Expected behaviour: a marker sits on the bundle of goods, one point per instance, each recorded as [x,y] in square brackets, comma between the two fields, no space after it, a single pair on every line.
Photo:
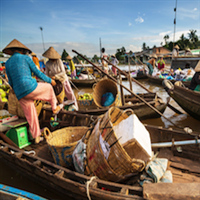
[118,146]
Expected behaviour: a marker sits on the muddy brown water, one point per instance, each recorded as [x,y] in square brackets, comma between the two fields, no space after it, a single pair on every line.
[11,177]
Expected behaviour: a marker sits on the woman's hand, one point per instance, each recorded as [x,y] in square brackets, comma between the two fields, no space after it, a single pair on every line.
[53,83]
[53,77]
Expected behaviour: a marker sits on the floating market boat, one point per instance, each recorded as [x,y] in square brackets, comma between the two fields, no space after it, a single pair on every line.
[142,110]
[187,99]
[83,82]
[157,80]
[185,170]
[11,193]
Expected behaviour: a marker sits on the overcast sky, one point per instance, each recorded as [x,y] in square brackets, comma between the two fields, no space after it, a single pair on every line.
[78,24]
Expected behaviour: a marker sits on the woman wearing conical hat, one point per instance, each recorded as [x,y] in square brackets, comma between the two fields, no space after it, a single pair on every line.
[195,82]
[55,68]
[72,66]
[188,52]
[19,68]
[115,62]
[175,52]
[151,63]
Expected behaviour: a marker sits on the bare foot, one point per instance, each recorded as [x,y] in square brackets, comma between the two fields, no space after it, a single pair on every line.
[38,139]
[58,108]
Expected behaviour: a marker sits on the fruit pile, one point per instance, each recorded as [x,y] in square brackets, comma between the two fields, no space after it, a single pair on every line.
[86,96]
[5,116]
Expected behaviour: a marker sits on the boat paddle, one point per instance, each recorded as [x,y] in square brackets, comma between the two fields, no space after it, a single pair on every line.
[157,111]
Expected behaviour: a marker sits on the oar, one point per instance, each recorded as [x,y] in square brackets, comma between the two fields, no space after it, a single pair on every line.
[126,88]
[169,105]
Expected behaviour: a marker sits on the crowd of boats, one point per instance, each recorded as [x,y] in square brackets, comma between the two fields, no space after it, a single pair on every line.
[85,154]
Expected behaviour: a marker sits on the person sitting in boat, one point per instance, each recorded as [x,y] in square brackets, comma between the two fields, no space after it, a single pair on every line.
[35,60]
[55,69]
[115,62]
[19,68]
[175,51]
[195,82]
[161,63]
[151,63]
[104,63]
[72,67]
[188,52]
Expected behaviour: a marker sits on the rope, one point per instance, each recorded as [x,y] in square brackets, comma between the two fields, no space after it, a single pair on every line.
[87,186]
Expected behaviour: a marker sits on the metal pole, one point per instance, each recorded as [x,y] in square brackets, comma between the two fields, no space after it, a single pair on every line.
[42,38]
[174,23]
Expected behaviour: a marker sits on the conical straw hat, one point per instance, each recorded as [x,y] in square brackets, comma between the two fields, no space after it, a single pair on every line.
[176,47]
[33,54]
[154,56]
[197,68]
[51,53]
[15,44]
[69,57]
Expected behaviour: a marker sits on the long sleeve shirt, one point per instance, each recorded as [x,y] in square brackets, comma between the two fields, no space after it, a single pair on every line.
[56,68]
[19,69]
[114,61]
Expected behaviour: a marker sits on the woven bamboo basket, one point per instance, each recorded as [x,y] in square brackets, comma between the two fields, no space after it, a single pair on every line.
[62,143]
[96,162]
[15,108]
[104,86]
[120,161]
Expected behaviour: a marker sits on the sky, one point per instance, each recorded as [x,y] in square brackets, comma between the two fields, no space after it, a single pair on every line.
[80,24]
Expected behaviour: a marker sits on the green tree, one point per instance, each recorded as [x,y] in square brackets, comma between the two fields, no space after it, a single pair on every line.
[64,54]
[119,53]
[1,54]
[144,46]
[95,58]
[166,37]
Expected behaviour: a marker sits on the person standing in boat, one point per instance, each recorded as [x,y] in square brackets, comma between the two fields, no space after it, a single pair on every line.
[188,52]
[35,60]
[56,69]
[161,63]
[104,63]
[115,62]
[151,63]
[195,82]
[19,68]
[72,67]
[175,51]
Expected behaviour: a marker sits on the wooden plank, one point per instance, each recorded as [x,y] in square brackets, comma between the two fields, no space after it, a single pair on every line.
[172,191]
[16,123]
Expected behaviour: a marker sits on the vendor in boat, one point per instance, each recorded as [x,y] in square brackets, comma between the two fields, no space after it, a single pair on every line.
[56,70]
[35,60]
[188,52]
[151,63]
[175,52]
[104,63]
[72,67]
[161,63]
[19,68]
[195,82]
[115,62]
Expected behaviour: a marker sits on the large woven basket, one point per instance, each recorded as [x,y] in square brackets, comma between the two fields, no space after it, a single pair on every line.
[15,108]
[104,86]
[62,143]
[119,160]
[96,162]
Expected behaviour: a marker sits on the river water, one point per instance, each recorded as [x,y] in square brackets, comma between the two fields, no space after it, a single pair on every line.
[10,177]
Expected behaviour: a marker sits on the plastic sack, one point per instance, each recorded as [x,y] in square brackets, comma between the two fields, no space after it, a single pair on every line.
[79,156]
[107,99]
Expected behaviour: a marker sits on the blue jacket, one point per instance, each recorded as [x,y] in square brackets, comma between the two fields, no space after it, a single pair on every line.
[19,69]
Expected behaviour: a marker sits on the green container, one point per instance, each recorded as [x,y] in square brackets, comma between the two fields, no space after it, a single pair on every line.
[19,136]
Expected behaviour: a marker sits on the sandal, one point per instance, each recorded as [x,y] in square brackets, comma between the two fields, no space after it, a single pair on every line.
[38,139]
[58,109]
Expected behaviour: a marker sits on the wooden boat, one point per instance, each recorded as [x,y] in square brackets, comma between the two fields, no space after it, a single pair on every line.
[137,77]
[78,186]
[157,80]
[142,110]
[83,82]
[11,193]
[187,99]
